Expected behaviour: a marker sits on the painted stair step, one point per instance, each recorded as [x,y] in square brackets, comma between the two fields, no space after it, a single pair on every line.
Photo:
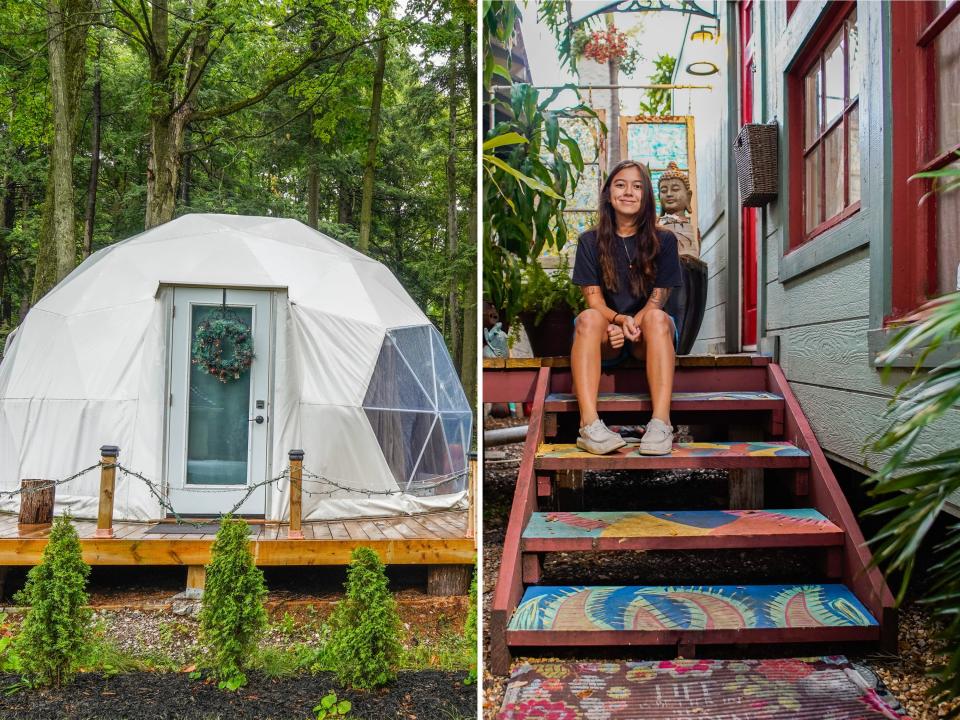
[679,530]
[715,455]
[681,401]
[654,615]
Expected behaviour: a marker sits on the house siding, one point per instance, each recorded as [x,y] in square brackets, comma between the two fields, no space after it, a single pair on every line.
[822,302]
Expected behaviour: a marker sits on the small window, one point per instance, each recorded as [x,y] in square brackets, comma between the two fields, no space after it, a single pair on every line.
[926,137]
[829,89]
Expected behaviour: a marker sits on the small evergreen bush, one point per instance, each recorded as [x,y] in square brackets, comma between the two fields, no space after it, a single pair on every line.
[55,633]
[232,617]
[365,645]
[470,631]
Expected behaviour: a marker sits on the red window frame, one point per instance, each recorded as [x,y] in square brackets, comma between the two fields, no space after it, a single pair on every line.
[915,26]
[828,27]
[791,6]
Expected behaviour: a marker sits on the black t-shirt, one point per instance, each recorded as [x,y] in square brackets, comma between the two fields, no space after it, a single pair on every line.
[586,270]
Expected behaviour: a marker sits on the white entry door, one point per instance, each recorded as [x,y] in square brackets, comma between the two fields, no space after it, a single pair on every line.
[218,431]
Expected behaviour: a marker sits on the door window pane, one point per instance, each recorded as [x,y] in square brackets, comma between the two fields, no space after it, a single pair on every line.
[218,422]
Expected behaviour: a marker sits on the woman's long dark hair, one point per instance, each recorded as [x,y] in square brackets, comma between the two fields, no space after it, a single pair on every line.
[643,271]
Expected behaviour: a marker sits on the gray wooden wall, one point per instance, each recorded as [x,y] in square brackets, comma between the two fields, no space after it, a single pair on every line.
[822,300]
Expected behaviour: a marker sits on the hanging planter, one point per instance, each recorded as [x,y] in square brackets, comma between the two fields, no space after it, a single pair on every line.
[223,346]
[602,46]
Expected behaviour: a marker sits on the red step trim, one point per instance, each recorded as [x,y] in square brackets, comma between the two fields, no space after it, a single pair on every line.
[825,494]
[600,638]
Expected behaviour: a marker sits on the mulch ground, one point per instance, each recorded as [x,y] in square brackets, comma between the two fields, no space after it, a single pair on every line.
[174,696]
[905,673]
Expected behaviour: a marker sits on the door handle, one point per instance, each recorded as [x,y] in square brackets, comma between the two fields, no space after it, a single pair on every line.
[258,420]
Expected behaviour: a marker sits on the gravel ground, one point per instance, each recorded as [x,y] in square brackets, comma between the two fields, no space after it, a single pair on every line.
[904,673]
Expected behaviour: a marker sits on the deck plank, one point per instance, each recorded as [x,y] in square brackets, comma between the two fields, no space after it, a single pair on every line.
[338,531]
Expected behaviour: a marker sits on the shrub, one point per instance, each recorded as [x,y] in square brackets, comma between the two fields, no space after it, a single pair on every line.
[470,631]
[232,617]
[365,644]
[56,629]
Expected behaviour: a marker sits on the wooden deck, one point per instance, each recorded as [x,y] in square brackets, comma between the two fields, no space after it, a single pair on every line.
[438,538]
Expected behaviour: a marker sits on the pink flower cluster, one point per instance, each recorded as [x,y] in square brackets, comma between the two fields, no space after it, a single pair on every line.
[604,45]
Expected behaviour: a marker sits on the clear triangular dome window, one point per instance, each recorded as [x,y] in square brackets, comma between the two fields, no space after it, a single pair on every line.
[393,385]
[449,392]
[456,430]
[414,344]
[402,436]
[433,475]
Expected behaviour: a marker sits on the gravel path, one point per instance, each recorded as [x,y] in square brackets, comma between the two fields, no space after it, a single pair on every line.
[904,673]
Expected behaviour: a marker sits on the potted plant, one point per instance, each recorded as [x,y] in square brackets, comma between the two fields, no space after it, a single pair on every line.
[532,164]
[550,301]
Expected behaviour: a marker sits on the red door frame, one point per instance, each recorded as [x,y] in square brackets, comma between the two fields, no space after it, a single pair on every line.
[748,218]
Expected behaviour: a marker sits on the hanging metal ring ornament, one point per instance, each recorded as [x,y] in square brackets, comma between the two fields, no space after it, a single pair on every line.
[702,68]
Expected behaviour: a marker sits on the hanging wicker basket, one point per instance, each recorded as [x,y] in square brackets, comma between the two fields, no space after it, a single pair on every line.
[757,164]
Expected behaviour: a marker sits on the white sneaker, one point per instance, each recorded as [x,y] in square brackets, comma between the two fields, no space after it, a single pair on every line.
[657,439]
[598,439]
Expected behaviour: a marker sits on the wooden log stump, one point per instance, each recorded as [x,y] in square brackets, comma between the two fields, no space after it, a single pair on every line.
[36,503]
[449,579]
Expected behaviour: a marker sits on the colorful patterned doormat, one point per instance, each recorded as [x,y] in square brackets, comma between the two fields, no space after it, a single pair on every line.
[828,688]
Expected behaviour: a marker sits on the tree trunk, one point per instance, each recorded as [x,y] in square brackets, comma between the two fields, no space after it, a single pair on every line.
[66,50]
[163,167]
[344,204]
[313,177]
[96,111]
[187,175]
[468,352]
[453,306]
[613,132]
[373,135]
[36,502]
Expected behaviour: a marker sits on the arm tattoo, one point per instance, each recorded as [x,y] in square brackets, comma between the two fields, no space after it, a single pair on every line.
[591,290]
[658,298]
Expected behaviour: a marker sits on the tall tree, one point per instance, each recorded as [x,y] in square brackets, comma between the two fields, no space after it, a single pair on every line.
[373,137]
[453,306]
[68,22]
[468,365]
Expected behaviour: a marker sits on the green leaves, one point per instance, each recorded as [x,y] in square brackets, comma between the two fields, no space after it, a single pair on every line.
[232,617]
[365,645]
[329,707]
[56,630]
[915,489]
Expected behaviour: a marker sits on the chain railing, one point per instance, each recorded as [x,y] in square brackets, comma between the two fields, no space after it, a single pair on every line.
[295,471]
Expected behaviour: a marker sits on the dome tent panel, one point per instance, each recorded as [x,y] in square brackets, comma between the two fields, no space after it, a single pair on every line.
[456,430]
[415,347]
[434,474]
[333,355]
[331,309]
[393,384]
[449,391]
[402,436]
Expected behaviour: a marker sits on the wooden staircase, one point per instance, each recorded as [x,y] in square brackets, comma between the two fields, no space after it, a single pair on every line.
[748,423]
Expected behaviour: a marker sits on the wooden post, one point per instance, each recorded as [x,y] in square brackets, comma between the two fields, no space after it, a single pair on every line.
[570,490]
[108,477]
[472,497]
[36,504]
[196,577]
[296,494]
[746,486]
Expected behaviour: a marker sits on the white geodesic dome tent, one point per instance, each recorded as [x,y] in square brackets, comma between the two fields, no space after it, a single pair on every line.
[346,367]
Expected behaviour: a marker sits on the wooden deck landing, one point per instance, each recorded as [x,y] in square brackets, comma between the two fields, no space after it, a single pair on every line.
[428,539]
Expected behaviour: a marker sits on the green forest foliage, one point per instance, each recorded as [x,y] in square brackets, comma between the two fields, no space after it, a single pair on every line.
[258,160]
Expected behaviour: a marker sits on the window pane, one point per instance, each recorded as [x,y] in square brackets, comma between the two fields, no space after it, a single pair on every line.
[833,177]
[853,55]
[947,51]
[811,102]
[811,191]
[853,152]
[833,78]
[948,239]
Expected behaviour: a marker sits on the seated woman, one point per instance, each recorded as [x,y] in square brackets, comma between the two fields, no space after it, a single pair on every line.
[625,267]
